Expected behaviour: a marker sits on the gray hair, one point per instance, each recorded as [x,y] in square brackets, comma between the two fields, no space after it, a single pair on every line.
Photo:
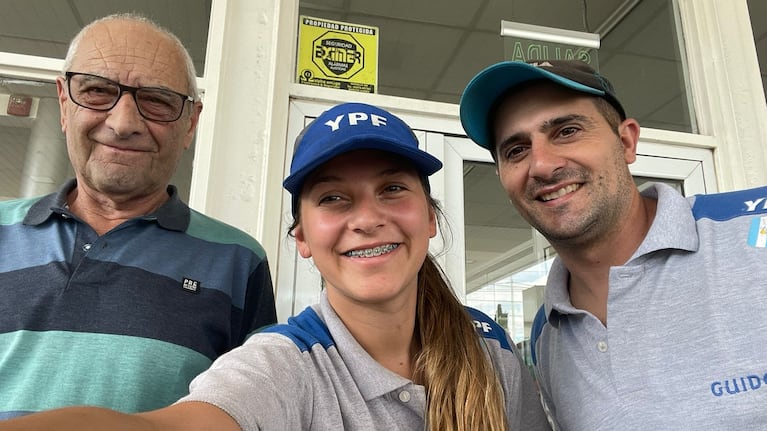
[191,74]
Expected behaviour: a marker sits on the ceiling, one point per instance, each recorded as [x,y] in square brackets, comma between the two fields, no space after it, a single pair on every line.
[427,50]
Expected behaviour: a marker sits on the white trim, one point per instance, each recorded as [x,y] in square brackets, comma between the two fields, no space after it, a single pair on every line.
[424,112]
[298,282]
[30,66]
[448,189]
[203,149]
[677,156]
[727,88]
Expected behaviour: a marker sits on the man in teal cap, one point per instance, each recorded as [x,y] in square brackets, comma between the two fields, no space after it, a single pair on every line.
[651,313]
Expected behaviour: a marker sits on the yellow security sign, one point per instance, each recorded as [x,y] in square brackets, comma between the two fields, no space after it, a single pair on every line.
[337,54]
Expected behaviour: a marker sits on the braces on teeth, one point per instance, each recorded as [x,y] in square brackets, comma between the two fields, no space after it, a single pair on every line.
[372,252]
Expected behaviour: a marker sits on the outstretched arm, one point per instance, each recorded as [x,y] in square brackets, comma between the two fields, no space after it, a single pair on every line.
[188,416]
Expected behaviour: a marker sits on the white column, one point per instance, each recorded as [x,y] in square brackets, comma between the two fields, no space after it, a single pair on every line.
[47,164]
[727,89]
[240,147]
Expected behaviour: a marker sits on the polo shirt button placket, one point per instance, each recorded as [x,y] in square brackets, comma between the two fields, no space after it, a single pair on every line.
[602,346]
[404,396]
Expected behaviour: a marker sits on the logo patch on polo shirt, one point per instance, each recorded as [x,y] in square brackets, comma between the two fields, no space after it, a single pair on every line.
[191,285]
[757,235]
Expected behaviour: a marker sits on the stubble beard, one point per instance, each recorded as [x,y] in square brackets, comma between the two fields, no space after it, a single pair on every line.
[601,218]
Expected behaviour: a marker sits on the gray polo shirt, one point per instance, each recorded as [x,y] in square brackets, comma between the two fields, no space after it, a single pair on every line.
[685,347]
[311,374]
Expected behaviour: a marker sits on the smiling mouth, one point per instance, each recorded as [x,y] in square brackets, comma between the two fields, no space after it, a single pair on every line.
[372,252]
[126,149]
[561,192]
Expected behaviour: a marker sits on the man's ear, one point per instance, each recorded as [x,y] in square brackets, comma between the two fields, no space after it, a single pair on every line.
[628,132]
[63,95]
[194,119]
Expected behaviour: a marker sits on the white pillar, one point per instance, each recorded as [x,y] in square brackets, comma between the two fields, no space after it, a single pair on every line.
[727,88]
[47,164]
[240,146]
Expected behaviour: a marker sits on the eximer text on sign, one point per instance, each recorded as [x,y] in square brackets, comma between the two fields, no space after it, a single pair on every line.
[336,54]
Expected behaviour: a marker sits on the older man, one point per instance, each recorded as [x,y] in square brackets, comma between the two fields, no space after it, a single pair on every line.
[116,293]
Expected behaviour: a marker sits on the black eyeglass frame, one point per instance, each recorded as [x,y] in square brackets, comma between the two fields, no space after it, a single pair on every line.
[129,89]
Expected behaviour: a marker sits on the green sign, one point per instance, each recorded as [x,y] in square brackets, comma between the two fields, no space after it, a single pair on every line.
[526,42]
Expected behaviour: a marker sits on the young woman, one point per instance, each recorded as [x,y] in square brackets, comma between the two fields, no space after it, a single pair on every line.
[389,346]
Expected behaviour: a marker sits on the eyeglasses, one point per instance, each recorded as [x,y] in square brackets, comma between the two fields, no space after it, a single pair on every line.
[102,94]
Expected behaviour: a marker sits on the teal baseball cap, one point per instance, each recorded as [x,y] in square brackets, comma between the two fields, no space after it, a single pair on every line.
[484,91]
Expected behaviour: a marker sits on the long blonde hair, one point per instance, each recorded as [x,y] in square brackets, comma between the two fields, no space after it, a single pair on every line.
[463,391]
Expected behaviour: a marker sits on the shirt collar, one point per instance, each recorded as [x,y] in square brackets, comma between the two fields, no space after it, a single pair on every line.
[172,215]
[674,224]
[672,228]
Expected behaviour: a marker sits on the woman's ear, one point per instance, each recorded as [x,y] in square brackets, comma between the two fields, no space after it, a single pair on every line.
[301,245]
[432,223]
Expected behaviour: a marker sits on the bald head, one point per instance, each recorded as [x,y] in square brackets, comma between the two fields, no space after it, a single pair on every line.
[128,38]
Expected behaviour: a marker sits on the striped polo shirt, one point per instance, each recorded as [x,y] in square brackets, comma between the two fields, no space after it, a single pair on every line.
[124,320]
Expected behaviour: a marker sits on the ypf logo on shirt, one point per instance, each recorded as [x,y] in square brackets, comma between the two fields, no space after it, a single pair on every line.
[757,235]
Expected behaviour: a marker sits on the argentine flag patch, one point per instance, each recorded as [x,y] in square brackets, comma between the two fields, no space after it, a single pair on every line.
[757,235]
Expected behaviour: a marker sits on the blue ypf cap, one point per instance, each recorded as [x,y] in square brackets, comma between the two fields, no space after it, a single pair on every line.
[348,127]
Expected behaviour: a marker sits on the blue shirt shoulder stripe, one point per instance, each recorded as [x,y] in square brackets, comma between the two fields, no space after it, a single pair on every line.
[729,205]
[305,330]
[489,328]
[538,323]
